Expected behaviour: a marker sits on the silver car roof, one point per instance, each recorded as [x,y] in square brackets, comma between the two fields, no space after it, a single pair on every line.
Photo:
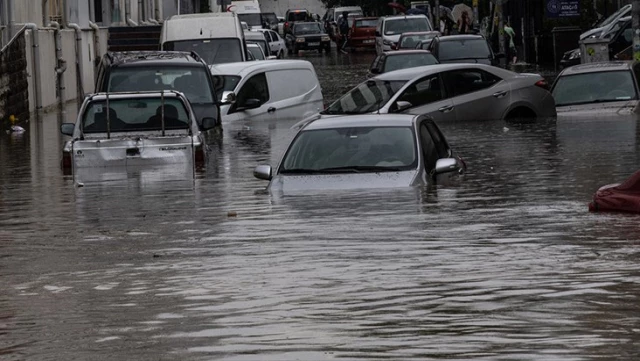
[363,120]
[597,67]
[411,73]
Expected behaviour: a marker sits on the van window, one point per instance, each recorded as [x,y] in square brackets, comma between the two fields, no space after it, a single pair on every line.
[192,81]
[251,19]
[213,51]
[223,83]
[286,84]
[255,88]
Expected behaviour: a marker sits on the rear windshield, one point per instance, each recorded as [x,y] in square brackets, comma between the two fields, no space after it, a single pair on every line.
[405,61]
[366,97]
[251,19]
[297,16]
[192,81]
[269,18]
[597,87]
[213,51]
[135,114]
[411,41]
[256,52]
[464,49]
[366,23]
[261,43]
[406,25]
[223,83]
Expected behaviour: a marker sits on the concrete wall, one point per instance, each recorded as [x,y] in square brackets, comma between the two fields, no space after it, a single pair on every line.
[280,7]
[14,96]
[27,11]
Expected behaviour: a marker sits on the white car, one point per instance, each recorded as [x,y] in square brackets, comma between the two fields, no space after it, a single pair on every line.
[256,52]
[267,90]
[390,28]
[277,46]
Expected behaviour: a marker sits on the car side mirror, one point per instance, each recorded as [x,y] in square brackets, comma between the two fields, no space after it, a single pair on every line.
[67,129]
[402,105]
[208,123]
[446,165]
[250,104]
[262,172]
[228,97]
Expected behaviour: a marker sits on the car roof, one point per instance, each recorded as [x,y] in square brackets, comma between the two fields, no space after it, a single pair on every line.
[254,35]
[134,94]
[597,67]
[406,51]
[460,37]
[413,33]
[396,17]
[144,58]
[245,67]
[411,73]
[362,120]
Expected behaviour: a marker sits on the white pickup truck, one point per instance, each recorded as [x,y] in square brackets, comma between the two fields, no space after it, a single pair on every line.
[134,129]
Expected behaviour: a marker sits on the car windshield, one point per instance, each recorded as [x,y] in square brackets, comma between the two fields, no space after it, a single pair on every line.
[269,18]
[366,97]
[224,83]
[464,49]
[256,52]
[404,61]
[251,19]
[135,114]
[192,81]
[405,25]
[309,28]
[366,23]
[213,51]
[356,149]
[261,43]
[600,87]
[410,41]
[297,16]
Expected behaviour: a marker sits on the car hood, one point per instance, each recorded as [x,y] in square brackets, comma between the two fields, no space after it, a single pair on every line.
[299,183]
[612,109]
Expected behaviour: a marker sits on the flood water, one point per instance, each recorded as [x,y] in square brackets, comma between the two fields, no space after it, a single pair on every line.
[506,264]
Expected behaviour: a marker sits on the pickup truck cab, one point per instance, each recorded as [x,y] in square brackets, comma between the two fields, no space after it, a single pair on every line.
[134,129]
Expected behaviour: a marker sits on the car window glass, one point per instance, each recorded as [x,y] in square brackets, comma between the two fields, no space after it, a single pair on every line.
[255,52]
[404,61]
[594,87]
[213,51]
[366,97]
[405,25]
[287,84]
[307,28]
[424,91]
[470,80]
[255,88]
[223,83]
[429,151]
[464,49]
[438,140]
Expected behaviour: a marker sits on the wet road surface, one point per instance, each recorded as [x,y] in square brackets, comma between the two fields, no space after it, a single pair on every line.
[151,265]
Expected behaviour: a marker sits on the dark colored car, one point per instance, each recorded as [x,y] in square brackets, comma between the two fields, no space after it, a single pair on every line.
[307,36]
[396,60]
[623,197]
[161,70]
[424,44]
[293,16]
[463,49]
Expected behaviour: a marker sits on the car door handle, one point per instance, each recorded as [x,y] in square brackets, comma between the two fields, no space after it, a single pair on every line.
[446,109]
[500,94]
[271,110]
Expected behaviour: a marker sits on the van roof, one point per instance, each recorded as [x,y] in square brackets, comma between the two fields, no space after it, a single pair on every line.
[145,58]
[247,67]
[201,26]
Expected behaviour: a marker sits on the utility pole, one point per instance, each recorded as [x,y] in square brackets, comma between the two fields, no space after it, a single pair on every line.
[635,23]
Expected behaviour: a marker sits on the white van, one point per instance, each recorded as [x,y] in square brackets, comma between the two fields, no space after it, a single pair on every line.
[247,11]
[216,37]
[390,28]
[283,90]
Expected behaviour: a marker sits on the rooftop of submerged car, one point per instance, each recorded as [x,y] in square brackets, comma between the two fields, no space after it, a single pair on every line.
[362,120]
[598,67]
[411,73]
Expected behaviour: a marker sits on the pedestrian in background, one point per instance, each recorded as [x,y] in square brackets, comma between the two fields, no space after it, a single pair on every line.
[512,53]
[343,25]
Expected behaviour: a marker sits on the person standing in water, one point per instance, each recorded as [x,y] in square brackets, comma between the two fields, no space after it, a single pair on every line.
[512,52]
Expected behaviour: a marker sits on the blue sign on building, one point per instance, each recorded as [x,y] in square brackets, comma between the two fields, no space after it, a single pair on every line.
[563,8]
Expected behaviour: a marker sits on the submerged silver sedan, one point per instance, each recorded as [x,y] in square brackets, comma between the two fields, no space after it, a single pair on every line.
[449,92]
[364,151]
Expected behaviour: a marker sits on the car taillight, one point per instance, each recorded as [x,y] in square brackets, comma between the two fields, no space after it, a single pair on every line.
[542,84]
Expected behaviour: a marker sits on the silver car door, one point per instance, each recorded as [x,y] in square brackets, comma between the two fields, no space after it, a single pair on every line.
[426,96]
[477,94]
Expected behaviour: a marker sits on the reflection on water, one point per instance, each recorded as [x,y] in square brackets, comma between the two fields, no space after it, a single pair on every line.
[507,264]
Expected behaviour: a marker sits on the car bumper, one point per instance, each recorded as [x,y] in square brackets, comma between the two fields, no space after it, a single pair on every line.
[362,42]
[313,46]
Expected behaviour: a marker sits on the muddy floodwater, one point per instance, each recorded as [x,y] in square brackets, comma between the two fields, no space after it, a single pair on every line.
[159,264]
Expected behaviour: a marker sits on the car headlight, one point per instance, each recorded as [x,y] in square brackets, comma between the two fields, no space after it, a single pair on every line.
[299,40]
[326,38]
[574,55]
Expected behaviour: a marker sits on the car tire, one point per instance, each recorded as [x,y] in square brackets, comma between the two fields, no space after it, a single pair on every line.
[521,114]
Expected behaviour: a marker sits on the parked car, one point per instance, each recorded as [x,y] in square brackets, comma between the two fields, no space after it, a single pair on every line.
[307,36]
[134,129]
[463,49]
[363,33]
[161,70]
[216,37]
[277,45]
[257,37]
[390,28]
[619,197]
[396,60]
[256,52]
[597,88]
[293,16]
[449,92]
[410,40]
[267,90]
[364,151]
[330,18]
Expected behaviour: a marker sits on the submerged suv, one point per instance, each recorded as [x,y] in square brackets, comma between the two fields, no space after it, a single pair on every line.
[161,70]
